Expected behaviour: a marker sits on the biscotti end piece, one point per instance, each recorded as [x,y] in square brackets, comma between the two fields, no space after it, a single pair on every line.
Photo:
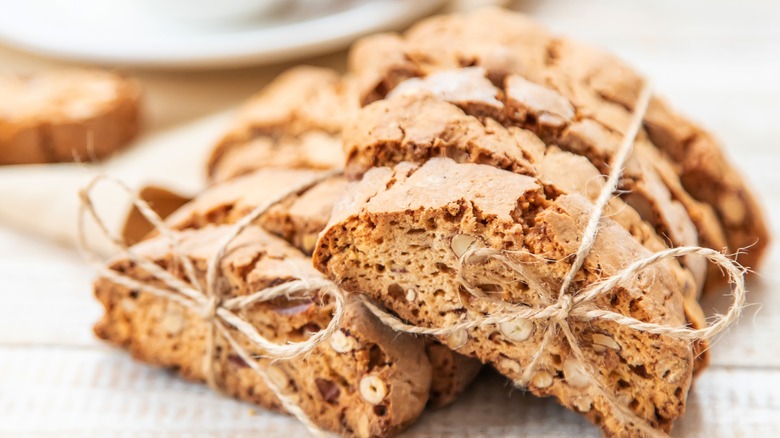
[367,380]
[405,228]
[294,122]
[66,115]
[310,150]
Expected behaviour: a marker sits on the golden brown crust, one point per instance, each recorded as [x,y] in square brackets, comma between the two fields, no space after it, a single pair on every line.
[66,115]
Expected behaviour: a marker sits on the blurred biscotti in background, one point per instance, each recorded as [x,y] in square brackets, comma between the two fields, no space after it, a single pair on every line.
[66,115]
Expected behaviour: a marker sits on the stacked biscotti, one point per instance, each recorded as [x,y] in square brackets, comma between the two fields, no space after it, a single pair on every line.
[468,135]
[366,380]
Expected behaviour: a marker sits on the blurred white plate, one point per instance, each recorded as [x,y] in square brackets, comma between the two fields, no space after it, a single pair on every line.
[129,32]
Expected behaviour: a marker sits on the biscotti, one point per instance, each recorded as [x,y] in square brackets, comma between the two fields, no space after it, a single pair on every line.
[366,380]
[69,115]
[295,122]
[598,92]
[399,235]
[299,218]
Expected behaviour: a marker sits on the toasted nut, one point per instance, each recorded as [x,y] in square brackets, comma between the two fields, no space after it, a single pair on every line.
[309,241]
[517,330]
[457,339]
[672,369]
[341,343]
[511,365]
[461,243]
[328,390]
[172,322]
[602,342]
[583,404]
[372,389]
[128,305]
[364,427]
[411,295]
[542,379]
[575,373]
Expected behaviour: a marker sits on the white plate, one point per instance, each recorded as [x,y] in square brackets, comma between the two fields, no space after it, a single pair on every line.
[128,32]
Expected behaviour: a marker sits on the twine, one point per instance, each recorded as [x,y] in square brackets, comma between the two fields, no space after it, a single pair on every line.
[555,314]
[572,305]
[208,302]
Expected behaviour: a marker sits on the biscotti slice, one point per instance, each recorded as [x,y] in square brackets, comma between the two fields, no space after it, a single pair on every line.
[294,122]
[298,219]
[366,380]
[398,237]
[600,87]
[65,116]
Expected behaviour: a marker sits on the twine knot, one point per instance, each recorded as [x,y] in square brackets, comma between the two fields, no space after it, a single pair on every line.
[209,310]
[564,305]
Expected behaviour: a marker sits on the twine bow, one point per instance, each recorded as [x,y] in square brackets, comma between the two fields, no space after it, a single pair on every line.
[569,306]
[208,300]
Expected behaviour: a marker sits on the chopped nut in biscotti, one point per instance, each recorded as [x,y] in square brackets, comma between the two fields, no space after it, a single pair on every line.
[398,214]
[66,115]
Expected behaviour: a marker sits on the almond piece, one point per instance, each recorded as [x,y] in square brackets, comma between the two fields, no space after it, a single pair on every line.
[575,373]
[517,330]
[373,389]
[461,243]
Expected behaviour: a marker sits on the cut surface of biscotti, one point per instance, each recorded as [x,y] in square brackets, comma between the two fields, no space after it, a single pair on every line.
[398,236]
[366,380]
[65,116]
[298,219]
[294,122]
[597,87]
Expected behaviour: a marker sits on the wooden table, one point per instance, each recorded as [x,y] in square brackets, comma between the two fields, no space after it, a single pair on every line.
[715,60]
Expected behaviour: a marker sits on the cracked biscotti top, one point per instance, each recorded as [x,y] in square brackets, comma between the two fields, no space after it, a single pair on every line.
[578,97]
[65,115]
[398,236]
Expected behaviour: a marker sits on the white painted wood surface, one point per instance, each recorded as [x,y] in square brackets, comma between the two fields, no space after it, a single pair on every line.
[718,61]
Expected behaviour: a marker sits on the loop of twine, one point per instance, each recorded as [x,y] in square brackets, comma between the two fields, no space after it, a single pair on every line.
[209,303]
[555,315]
